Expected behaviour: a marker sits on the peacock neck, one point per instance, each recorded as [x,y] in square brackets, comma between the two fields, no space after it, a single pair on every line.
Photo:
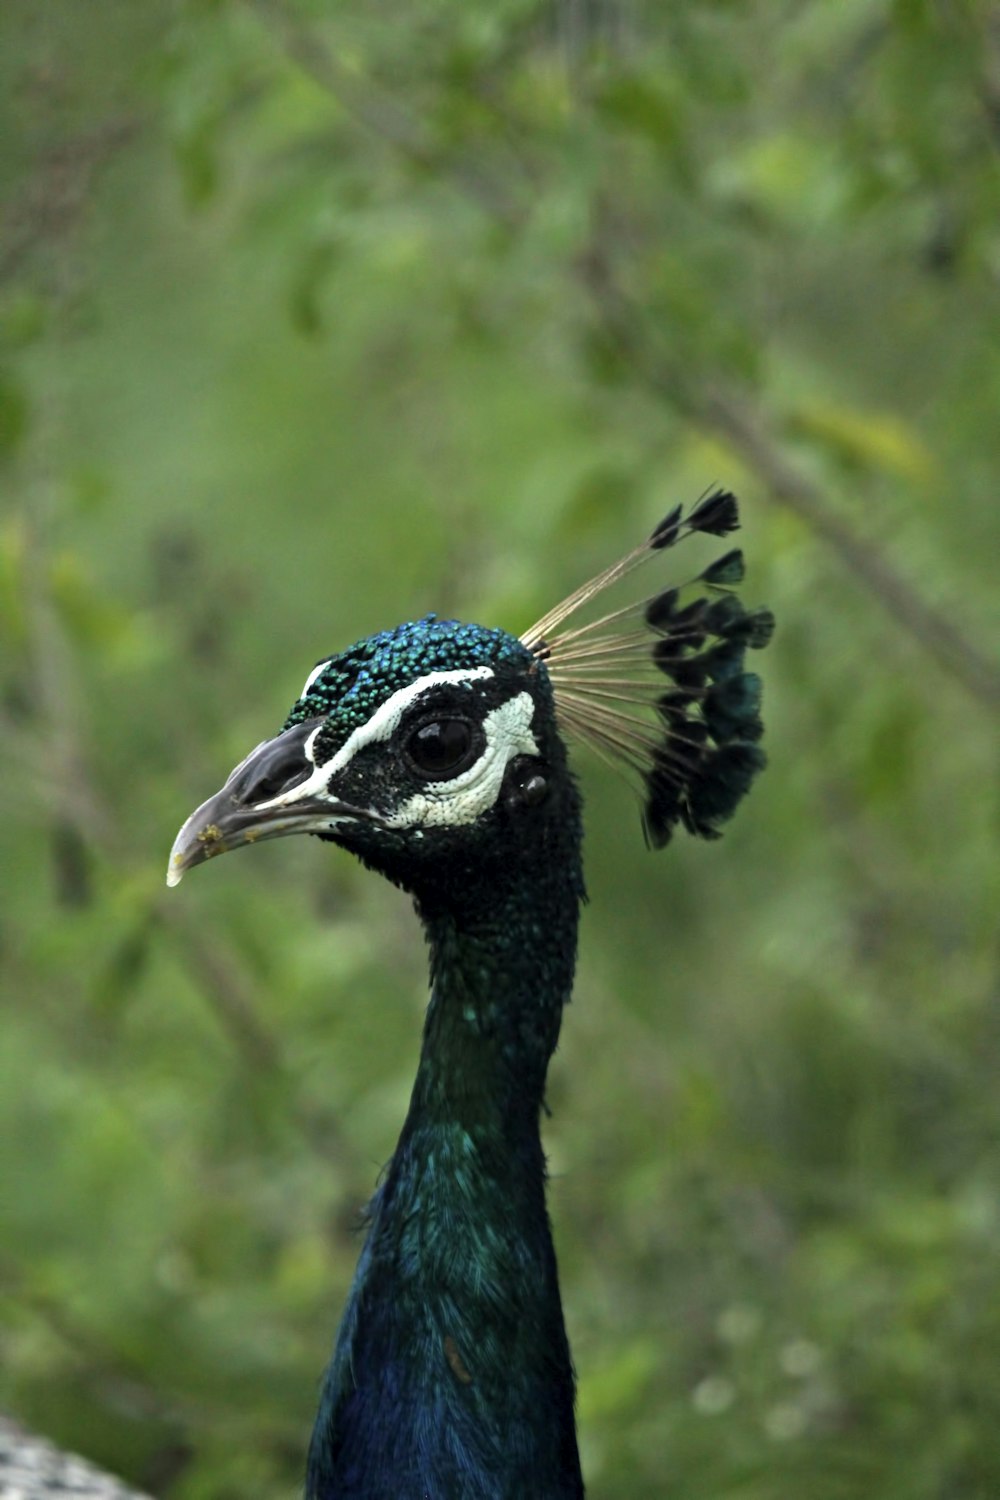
[452,1376]
[501,973]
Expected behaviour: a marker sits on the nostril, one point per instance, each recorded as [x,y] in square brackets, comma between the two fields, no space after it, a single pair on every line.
[279,769]
[267,787]
[274,767]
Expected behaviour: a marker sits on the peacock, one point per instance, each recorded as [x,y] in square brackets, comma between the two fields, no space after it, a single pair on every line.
[435,753]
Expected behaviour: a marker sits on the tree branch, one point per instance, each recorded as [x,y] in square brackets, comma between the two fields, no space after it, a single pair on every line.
[733,416]
[725,411]
[51,205]
[746,430]
[382,117]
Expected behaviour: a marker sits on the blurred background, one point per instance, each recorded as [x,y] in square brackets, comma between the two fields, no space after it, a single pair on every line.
[314,317]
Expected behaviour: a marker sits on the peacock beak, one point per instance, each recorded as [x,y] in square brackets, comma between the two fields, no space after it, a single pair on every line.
[265,797]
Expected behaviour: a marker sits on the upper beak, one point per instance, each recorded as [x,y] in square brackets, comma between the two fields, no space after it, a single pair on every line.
[258,802]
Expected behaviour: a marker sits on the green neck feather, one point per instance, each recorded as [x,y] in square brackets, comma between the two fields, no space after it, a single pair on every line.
[452,1374]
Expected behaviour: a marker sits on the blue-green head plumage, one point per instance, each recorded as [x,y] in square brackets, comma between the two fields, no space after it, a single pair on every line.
[351,685]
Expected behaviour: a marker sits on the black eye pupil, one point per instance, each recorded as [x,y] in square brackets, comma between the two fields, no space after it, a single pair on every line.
[441,746]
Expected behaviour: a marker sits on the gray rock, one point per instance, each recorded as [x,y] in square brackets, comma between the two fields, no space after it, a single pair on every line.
[31,1468]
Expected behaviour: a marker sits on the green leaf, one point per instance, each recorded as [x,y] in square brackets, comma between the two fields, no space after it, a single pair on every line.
[14,414]
[306,290]
[640,105]
[22,321]
[868,440]
[197,160]
[616,1388]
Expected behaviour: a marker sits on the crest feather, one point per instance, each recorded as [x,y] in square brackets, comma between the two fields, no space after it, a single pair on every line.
[693,748]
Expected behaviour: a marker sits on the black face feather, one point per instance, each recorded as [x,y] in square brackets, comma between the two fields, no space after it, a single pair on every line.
[762,628]
[719,785]
[697,757]
[723,616]
[663,612]
[686,671]
[662,609]
[718,514]
[726,570]
[732,708]
[669,529]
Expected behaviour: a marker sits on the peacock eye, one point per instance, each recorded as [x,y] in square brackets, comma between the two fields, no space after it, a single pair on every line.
[442,748]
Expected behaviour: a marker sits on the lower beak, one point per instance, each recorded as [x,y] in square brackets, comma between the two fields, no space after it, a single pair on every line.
[246,811]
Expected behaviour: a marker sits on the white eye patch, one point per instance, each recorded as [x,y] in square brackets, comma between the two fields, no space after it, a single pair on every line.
[507,730]
[381,726]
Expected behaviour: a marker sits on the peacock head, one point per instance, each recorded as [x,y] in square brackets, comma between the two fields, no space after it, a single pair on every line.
[437,746]
[415,748]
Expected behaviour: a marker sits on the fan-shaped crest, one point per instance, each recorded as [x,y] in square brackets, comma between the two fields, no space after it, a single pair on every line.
[694,740]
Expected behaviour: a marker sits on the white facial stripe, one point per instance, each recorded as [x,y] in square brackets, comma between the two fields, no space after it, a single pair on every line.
[384,720]
[379,727]
[465,798]
[317,671]
[309,748]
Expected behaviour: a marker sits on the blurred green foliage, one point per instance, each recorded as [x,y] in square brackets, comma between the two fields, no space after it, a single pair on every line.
[314,317]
